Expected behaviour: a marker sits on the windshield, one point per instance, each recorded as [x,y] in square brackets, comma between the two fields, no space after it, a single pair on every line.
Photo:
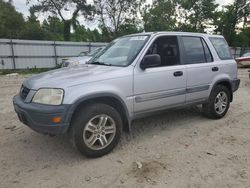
[94,52]
[121,52]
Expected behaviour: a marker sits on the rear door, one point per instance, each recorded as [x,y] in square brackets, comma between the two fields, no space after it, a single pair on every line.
[201,68]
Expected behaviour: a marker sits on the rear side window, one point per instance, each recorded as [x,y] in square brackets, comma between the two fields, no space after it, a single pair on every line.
[221,48]
[207,52]
[196,50]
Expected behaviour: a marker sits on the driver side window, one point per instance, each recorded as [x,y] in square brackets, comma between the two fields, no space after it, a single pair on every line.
[168,49]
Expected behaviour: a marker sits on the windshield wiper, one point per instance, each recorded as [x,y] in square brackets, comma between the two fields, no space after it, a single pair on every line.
[99,63]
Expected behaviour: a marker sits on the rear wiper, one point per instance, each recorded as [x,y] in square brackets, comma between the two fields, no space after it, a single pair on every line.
[99,63]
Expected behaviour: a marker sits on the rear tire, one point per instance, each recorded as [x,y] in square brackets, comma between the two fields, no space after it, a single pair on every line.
[96,130]
[218,103]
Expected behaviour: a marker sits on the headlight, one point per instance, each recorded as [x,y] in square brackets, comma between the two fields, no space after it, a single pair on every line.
[49,96]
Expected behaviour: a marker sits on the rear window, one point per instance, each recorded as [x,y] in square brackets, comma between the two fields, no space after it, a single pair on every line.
[221,48]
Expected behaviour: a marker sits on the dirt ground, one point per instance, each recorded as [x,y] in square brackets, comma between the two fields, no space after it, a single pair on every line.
[179,148]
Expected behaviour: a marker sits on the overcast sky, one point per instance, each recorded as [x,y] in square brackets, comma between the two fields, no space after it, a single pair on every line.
[22,7]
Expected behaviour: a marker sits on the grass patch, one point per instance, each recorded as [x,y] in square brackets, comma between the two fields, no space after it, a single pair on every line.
[25,71]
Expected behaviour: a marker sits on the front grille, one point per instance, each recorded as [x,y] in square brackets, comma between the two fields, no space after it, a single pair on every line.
[24,92]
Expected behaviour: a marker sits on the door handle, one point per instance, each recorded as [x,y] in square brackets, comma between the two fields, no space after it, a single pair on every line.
[214,69]
[178,73]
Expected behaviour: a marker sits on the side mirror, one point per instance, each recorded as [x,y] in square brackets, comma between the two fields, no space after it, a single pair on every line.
[150,61]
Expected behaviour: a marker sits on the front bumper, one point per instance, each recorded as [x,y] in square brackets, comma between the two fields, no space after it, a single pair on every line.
[39,117]
[235,84]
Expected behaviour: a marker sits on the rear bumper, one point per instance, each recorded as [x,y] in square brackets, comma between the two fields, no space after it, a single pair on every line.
[39,117]
[235,84]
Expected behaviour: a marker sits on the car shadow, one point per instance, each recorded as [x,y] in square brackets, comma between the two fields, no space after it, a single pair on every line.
[168,119]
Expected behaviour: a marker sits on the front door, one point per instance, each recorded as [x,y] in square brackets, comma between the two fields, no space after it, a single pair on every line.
[163,86]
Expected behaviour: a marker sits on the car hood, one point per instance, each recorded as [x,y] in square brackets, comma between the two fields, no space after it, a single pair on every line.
[84,60]
[72,59]
[66,77]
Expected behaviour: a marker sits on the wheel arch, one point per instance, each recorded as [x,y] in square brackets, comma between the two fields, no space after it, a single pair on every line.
[106,98]
[227,83]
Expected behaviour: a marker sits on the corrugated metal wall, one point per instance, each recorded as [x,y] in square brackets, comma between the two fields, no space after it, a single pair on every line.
[22,54]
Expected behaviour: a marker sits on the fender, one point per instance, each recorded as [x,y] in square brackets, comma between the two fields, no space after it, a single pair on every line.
[100,95]
[223,80]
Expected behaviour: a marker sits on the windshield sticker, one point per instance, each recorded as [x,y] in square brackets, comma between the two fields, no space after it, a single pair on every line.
[139,38]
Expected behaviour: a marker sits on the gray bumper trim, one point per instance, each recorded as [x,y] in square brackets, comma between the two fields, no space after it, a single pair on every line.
[39,117]
[235,84]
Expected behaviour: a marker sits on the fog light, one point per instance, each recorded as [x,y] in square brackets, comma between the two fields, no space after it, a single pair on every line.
[56,119]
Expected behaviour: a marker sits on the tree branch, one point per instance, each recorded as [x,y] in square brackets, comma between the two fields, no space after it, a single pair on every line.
[58,10]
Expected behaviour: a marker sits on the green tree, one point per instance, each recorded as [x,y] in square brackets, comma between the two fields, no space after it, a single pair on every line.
[32,29]
[161,16]
[90,36]
[129,27]
[243,38]
[80,34]
[53,28]
[106,35]
[112,14]
[86,35]
[197,15]
[11,22]
[59,7]
[230,17]
[95,36]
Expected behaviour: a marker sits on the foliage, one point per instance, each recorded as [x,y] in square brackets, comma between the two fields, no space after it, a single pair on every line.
[11,22]
[196,16]
[161,16]
[230,17]
[59,7]
[129,27]
[53,28]
[118,17]
[115,15]
[243,38]
[32,29]
[82,34]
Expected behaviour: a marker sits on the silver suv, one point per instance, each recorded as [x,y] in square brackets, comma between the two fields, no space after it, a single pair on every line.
[133,77]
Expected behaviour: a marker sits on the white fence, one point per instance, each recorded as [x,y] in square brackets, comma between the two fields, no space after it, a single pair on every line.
[22,54]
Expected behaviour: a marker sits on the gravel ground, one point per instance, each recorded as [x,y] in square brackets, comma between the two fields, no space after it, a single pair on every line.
[179,148]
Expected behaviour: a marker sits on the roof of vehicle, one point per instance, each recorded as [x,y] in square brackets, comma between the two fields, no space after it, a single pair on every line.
[175,33]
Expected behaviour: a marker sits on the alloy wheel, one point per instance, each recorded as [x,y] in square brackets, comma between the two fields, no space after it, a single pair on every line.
[99,132]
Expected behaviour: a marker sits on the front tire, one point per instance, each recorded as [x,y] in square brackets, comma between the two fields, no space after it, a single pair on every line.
[96,130]
[218,103]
